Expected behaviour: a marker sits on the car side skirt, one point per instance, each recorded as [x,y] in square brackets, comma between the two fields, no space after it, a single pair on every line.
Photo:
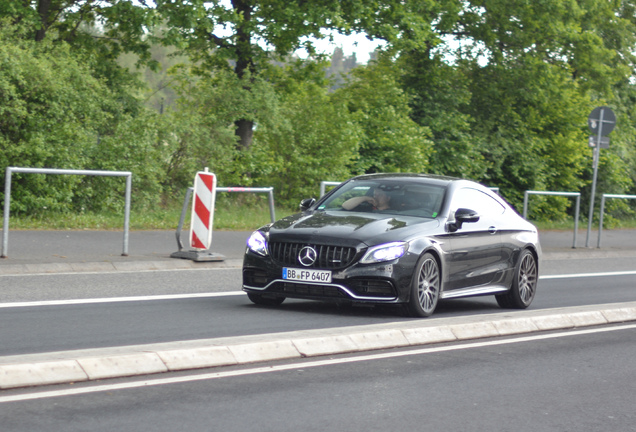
[472,292]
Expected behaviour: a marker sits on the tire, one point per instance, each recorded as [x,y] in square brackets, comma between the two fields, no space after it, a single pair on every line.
[262,300]
[425,287]
[524,284]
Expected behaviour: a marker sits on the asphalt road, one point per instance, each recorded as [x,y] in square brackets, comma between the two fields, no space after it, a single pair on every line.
[43,327]
[43,275]
[92,291]
[66,291]
[570,381]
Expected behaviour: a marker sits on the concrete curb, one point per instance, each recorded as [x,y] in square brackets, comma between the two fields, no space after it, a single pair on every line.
[89,365]
[586,253]
[115,266]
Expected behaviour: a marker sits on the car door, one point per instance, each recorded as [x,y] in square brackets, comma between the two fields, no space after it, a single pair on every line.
[476,256]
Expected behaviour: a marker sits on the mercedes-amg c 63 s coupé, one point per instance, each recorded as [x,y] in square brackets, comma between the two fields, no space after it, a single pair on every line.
[404,239]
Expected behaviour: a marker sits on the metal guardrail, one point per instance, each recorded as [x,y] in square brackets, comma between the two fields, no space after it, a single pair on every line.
[186,204]
[567,194]
[7,197]
[268,190]
[600,221]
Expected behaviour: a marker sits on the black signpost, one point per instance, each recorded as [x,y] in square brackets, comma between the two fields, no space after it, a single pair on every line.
[601,122]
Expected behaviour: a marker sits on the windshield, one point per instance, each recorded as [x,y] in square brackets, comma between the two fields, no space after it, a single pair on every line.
[399,197]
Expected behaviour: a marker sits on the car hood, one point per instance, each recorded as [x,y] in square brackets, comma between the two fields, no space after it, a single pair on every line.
[349,228]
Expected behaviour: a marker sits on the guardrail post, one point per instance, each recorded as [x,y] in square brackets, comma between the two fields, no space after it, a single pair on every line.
[127,214]
[569,194]
[272,211]
[184,211]
[576,218]
[7,206]
[600,220]
[7,196]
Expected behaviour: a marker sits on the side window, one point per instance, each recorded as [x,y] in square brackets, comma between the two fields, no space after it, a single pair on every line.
[476,200]
[420,200]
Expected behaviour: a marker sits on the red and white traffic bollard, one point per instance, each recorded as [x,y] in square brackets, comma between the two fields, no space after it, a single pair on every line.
[201,219]
[202,210]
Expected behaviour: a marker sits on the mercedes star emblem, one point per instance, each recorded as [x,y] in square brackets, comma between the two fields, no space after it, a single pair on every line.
[307,256]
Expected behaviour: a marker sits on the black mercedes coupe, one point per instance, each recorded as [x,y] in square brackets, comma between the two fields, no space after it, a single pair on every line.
[404,239]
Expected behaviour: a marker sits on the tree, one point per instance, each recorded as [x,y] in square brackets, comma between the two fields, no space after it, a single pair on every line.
[55,114]
[202,135]
[246,35]
[506,87]
[440,98]
[97,32]
[540,67]
[392,141]
[315,138]
[109,27]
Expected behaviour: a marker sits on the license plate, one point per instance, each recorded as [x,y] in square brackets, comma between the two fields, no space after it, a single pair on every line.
[306,275]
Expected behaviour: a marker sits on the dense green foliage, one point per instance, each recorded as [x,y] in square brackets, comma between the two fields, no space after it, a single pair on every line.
[494,90]
[246,35]
[56,113]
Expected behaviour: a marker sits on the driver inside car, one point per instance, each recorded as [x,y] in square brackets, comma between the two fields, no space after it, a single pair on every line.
[379,201]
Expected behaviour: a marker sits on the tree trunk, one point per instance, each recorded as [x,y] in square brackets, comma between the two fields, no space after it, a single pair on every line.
[244,63]
[245,132]
[44,8]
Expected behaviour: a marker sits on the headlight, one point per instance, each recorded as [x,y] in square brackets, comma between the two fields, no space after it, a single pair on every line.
[257,243]
[385,252]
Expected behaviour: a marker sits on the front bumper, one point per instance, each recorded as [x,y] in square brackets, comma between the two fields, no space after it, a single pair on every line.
[380,283]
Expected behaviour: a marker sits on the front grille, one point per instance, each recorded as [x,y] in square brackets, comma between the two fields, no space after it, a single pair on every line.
[329,257]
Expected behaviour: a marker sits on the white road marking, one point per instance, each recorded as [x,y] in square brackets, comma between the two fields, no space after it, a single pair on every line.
[75,273]
[298,365]
[120,299]
[587,275]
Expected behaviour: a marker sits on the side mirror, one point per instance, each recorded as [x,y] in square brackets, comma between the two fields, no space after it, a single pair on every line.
[307,203]
[462,216]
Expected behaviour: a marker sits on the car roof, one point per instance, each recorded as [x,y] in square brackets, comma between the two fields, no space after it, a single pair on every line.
[452,183]
[428,178]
